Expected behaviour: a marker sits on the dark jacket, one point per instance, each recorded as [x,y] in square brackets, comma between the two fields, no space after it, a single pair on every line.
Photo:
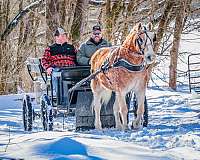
[58,55]
[87,49]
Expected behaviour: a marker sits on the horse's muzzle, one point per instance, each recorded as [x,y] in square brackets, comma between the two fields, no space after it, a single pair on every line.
[149,58]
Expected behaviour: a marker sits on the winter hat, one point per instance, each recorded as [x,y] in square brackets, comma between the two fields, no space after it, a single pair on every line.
[96,27]
[59,31]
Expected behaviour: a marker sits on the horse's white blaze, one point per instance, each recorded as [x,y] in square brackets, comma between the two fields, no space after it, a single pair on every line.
[148,51]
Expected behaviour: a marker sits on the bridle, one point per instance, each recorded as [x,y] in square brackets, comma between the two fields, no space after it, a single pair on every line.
[139,41]
[119,62]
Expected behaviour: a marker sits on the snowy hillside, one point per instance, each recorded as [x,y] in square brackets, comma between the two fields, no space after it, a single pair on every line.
[173,133]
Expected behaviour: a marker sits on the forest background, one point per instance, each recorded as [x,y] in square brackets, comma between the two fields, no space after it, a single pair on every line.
[27,26]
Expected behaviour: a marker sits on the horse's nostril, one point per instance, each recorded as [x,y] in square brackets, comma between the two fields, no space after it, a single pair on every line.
[149,57]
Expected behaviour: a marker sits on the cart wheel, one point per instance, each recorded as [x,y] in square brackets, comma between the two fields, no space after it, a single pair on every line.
[27,113]
[46,113]
[145,123]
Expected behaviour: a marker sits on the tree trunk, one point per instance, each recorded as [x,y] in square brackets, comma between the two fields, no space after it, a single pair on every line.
[108,22]
[161,30]
[4,18]
[112,12]
[1,44]
[63,8]
[132,6]
[70,11]
[78,21]
[18,54]
[180,15]
[162,24]
[52,19]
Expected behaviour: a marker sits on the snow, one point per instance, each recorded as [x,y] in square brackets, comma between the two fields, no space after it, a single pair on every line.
[173,133]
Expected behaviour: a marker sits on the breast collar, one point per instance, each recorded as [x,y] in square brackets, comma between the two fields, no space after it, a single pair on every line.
[129,66]
[121,63]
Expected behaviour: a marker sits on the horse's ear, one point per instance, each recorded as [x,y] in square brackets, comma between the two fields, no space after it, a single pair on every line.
[150,26]
[139,27]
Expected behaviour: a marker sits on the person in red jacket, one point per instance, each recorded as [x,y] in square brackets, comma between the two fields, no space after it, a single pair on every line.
[58,55]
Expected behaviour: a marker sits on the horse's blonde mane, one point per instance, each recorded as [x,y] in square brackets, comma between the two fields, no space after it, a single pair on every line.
[128,43]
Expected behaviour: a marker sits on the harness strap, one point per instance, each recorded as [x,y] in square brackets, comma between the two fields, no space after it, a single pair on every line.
[125,64]
[120,62]
[105,66]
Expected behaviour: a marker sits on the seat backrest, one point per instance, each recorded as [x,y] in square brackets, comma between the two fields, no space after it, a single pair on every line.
[75,73]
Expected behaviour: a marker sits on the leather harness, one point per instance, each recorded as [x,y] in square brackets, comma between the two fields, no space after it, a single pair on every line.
[120,62]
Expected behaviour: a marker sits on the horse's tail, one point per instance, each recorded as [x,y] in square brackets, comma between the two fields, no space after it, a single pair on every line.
[105,96]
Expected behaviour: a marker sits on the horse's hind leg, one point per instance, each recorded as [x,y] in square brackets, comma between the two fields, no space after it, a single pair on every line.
[137,123]
[96,89]
[123,110]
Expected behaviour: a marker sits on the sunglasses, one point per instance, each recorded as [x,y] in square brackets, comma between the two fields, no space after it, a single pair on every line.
[96,33]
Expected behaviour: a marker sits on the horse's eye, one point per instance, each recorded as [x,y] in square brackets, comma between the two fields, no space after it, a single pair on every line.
[154,38]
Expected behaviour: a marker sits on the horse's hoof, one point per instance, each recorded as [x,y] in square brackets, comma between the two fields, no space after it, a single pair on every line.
[98,127]
[125,128]
[145,124]
[136,125]
[119,127]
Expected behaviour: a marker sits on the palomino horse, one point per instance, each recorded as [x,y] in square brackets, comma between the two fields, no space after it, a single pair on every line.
[136,50]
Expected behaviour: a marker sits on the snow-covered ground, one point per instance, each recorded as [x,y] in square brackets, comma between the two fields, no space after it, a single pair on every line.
[173,133]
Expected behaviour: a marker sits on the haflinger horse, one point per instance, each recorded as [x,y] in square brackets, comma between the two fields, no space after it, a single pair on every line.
[136,50]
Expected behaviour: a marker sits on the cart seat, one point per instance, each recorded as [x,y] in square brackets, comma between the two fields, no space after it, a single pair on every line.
[75,73]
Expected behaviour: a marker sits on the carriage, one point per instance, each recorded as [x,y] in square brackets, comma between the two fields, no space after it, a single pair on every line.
[76,103]
[118,78]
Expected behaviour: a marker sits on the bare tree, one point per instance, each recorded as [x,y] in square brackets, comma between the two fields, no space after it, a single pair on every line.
[52,18]
[179,24]
[111,12]
[4,18]
[29,31]
[78,20]
[163,24]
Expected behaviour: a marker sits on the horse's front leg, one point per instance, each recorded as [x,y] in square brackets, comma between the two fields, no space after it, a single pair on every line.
[138,122]
[96,104]
[118,123]
[123,110]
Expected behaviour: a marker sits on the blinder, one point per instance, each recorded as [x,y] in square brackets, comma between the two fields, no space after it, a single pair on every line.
[140,41]
[154,38]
